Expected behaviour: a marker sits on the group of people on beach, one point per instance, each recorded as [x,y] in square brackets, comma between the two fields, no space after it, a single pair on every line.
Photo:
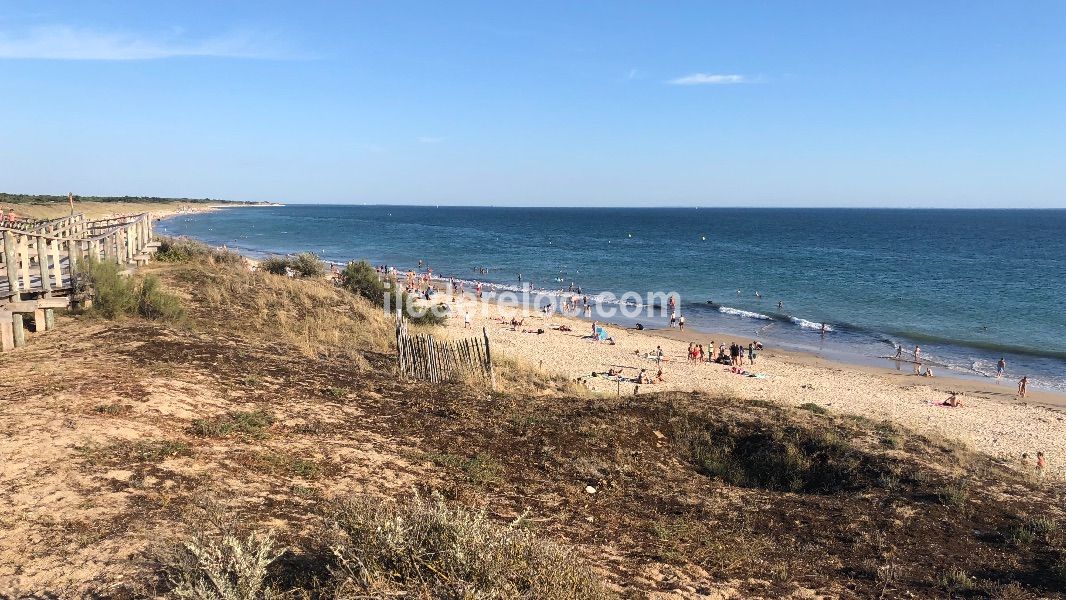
[733,355]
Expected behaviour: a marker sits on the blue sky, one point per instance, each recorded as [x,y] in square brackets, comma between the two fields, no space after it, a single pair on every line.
[897,104]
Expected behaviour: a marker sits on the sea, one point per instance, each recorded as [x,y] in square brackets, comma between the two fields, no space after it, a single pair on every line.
[968,286]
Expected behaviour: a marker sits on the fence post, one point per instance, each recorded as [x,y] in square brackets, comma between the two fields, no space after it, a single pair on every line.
[488,358]
[11,261]
[18,330]
[7,334]
[42,263]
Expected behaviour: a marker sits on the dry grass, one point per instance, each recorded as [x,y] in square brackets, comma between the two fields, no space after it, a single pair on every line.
[423,548]
[313,316]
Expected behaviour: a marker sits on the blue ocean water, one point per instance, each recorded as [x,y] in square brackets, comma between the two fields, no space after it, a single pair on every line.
[969,286]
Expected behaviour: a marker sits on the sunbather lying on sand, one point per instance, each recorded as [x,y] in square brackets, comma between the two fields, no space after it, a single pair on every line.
[952,401]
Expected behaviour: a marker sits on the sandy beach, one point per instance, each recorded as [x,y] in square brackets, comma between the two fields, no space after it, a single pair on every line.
[103,210]
[992,420]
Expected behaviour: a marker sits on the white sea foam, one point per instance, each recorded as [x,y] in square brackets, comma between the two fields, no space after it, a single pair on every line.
[744,313]
[804,323]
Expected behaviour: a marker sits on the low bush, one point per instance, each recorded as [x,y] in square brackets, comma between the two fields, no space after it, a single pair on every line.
[419,549]
[363,280]
[116,295]
[253,424]
[305,264]
[426,549]
[156,304]
[185,249]
[787,458]
[814,408]
[277,265]
[222,568]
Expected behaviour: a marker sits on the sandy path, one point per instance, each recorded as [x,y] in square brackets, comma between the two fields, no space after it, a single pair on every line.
[986,423]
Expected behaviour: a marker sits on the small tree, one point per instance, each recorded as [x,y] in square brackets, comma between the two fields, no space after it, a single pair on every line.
[361,279]
[307,264]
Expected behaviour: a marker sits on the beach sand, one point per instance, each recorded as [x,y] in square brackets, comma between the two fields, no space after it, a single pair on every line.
[992,420]
[104,210]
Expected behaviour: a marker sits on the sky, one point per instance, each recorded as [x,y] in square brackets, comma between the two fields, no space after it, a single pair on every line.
[762,103]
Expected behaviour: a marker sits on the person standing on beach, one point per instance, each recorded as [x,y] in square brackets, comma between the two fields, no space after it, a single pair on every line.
[701,353]
[917,354]
[1022,385]
[1041,464]
[681,323]
[1001,366]
[466,320]
[658,355]
[673,318]
[899,351]
[751,354]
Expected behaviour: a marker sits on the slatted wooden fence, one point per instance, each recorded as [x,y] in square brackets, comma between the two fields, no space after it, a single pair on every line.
[423,357]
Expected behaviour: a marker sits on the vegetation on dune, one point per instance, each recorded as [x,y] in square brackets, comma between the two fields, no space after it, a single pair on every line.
[422,548]
[304,264]
[312,315]
[185,249]
[695,488]
[361,279]
[116,295]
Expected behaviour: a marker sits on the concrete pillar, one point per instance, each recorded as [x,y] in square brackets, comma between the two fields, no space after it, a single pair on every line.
[49,319]
[38,320]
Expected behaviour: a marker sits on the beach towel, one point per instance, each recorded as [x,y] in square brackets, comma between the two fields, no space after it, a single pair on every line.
[601,333]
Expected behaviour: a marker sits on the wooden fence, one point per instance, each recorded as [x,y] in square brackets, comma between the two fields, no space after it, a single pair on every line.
[41,257]
[39,263]
[428,359]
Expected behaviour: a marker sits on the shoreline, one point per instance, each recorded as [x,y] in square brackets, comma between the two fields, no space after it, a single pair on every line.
[991,420]
[1003,389]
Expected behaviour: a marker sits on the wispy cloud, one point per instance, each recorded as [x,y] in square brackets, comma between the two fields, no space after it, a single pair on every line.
[428,139]
[61,42]
[710,79]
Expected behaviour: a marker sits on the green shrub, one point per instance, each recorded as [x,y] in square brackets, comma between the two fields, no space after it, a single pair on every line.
[113,293]
[307,265]
[180,250]
[253,424]
[361,279]
[278,265]
[956,580]
[185,250]
[814,408]
[153,303]
[116,296]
